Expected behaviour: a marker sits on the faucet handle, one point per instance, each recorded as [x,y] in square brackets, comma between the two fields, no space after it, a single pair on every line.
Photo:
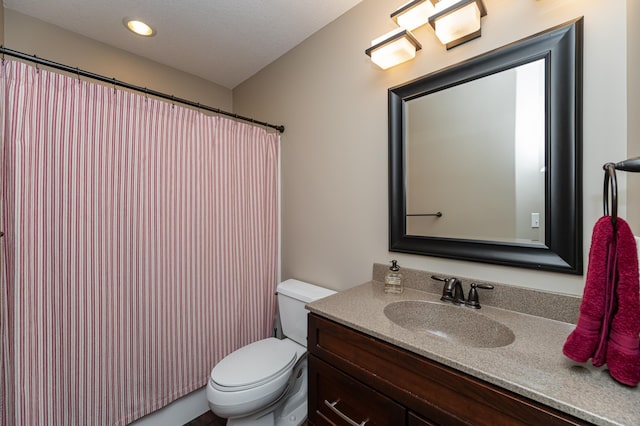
[472,300]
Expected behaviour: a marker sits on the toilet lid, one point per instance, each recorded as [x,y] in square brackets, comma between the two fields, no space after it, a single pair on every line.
[254,364]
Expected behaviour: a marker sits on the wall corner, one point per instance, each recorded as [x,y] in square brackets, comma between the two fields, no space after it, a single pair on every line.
[633,111]
[1,24]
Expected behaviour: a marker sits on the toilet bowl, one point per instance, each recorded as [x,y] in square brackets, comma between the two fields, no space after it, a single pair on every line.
[265,382]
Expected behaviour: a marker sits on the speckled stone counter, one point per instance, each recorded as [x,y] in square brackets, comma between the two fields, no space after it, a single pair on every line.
[532,366]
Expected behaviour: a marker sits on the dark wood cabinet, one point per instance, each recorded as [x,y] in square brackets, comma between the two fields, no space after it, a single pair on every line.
[414,420]
[355,378]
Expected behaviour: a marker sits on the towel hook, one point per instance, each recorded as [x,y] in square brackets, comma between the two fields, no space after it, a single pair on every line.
[610,181]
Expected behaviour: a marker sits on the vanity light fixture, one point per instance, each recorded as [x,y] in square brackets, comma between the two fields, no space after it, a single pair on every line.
[457,21]
[414,14]
[393,48]
[138,27]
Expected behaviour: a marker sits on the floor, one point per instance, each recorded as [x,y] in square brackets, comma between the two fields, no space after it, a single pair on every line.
[207,419]
[210,419]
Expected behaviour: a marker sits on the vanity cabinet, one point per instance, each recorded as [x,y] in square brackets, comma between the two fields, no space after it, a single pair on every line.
[355,378]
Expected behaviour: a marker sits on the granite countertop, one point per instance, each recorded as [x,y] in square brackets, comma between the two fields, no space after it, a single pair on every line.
[532,366]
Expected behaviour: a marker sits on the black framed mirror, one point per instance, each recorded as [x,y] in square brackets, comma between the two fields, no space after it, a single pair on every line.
[458,184]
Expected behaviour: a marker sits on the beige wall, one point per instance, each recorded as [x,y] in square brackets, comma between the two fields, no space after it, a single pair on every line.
[633,109]
[333,101]
[1,24]
[32,36]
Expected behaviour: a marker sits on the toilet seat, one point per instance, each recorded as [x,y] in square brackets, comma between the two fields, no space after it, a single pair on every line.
[254,365]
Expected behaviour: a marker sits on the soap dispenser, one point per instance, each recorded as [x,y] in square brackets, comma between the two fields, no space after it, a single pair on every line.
[393,279]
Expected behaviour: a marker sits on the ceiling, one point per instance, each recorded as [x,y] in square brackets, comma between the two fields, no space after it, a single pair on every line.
[223,41]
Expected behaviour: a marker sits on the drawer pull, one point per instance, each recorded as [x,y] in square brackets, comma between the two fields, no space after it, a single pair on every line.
[332,406]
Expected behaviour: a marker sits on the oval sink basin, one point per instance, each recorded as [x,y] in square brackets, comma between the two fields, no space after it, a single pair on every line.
[456,323]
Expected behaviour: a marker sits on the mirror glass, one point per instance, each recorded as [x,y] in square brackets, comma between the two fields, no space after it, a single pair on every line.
[485,157]
[485,136]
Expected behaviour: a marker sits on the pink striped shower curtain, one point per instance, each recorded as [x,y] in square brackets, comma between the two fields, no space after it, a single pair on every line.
[140,248]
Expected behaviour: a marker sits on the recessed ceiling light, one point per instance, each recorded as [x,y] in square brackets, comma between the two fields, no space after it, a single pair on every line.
[138,27]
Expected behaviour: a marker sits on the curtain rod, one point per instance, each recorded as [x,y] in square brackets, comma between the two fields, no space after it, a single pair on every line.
[83,73]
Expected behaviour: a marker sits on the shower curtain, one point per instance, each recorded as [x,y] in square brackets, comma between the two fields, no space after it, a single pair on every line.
[140,247]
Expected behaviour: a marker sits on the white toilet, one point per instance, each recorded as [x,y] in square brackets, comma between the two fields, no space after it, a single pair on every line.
[265,382]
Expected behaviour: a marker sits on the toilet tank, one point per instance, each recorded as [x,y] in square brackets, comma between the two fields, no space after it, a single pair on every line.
[293,295]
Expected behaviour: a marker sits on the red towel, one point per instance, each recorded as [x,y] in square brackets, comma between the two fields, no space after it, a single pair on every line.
[623,351]
[609,322]
[583,341]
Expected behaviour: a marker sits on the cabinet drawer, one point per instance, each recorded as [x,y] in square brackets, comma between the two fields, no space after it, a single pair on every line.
[337,399]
